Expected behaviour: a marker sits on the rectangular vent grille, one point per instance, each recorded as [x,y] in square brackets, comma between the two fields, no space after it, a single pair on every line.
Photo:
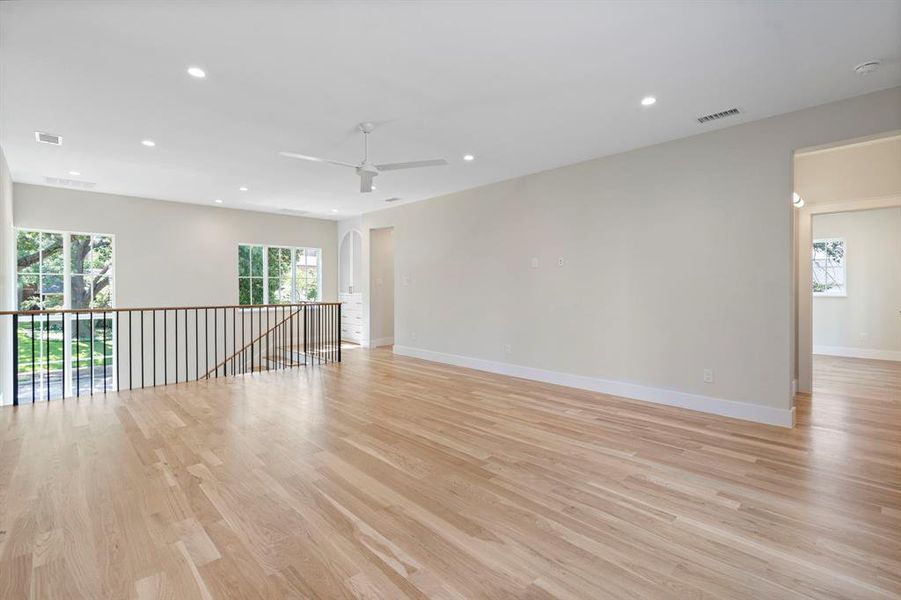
[73,183]
[294,211]
[48,138]
[719,115]
[395,199]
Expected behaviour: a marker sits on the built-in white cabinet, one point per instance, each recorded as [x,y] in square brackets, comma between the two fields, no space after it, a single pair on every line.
[349,272]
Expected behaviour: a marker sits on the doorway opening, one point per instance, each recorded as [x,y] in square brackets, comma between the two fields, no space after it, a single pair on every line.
[381,287]
[848,235]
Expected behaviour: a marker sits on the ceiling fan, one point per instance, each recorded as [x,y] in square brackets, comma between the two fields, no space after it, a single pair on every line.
[366,170]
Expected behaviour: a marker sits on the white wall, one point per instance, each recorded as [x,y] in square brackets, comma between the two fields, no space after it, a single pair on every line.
[678,257]
[867,322]
[381,304]
[6,274]
[174,254]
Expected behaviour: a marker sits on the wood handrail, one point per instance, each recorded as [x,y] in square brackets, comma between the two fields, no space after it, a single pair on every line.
[263,334]
[62,311]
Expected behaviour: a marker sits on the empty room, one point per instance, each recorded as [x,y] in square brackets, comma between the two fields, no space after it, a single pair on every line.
[450,299]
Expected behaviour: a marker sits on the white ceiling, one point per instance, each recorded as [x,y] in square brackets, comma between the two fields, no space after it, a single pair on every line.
[524,86]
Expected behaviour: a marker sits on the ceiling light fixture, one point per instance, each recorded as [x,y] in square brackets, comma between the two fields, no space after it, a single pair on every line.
[196,72]
[242,189]
[648,100]
[334,210]
[218,200]
[797,200]
[468,157]
[148,143]
[75,173]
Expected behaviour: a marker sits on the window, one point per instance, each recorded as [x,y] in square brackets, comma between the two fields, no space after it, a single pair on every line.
[57,270]
[63,270]
[278,274]
[828,267]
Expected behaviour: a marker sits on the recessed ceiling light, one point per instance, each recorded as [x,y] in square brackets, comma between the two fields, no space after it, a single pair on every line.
[374,188]
[468,157]
[334,210]
[218,201]
[196,72]
[797,200]
[648,100]
[242,189]
[148,143]
[867,67]
[75,173]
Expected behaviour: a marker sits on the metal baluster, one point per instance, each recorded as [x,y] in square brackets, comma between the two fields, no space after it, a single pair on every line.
[47,349]
[305,317]
[339,332]
[91,350]
[154,347]
[143,333]
[165,347]
[196,346]
[104,351]
[131,343]
[77,357]
[234,341]
[15,342]
[206,342]
[216,341]
[244,349]
[33,368]
[186,345]
[62,371]
[116,352]
[175,329]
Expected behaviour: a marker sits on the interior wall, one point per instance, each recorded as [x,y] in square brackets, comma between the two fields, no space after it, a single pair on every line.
[6,275]
[676,258]
[174,254]
[381,307]
[867,322]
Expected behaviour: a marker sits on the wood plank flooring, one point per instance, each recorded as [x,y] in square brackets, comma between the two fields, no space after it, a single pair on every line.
[389,477]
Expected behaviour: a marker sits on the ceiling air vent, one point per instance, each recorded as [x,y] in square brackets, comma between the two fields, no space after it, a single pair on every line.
[294,211]
[719,115]
[72,183]
[48,138]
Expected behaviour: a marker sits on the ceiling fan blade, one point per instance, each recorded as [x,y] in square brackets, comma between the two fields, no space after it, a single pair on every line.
[437,162]
[316,159]
[366,181]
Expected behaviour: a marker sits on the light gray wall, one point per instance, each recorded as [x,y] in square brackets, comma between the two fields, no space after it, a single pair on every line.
[677,257]
[6,276]
[868,318]
[174,254]
[381,307]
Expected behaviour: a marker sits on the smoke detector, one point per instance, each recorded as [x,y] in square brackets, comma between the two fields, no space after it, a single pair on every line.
[867,67]
[48,138]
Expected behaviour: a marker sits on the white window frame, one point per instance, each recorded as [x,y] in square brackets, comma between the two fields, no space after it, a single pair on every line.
[843,293]
[293,249]
[69,361]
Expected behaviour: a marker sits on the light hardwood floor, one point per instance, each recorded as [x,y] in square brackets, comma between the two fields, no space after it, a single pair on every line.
[389,477]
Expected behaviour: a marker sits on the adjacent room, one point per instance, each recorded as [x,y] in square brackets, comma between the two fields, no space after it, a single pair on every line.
[492,299]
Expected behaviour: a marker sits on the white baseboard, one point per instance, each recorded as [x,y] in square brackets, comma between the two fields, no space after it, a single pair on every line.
[385,341]
[858,352]
[707,404]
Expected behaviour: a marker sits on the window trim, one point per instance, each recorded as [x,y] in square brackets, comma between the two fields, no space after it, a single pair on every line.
[844,266]
[67,260]
[266,248]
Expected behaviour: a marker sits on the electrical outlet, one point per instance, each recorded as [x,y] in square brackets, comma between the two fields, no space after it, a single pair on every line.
[508,349]
[561,261]
[406,280]
[413,335]
[534,262]
[379,281]
[708,375]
